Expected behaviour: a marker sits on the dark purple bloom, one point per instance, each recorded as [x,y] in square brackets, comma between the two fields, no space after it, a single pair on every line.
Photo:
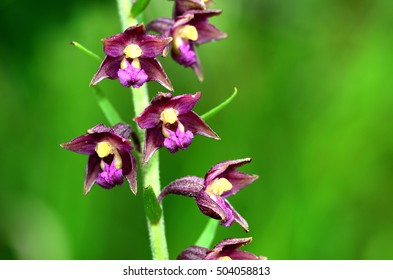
[225,250]
[188,30]
[211,193]
[131,58]
[169,121]
[110,157]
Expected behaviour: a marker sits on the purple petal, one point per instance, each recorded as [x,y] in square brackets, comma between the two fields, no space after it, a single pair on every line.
[232,243]
[182,20]
[99,128]
[209,207]
[186,5]
[198,69]
[124,130]
[117,135]
[150,117]
[196,125]
[229,218]
[114,45]
[121,144]
[206,31]
[243,255]
[203,14]
[107,69]
[155,72]
[227,248]
[237,217]
[183,103]
[161,99]
[238,179]
[178,140]
[92,170]
[154,141]
[221,167]
[185,54]
[110,176]
[153,46]
[187,186]
[193,253]
[131,76]
[84,144]
[161,25]
[130,169]
[135,32]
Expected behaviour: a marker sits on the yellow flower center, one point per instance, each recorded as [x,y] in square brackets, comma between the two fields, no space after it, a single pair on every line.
[218,186]
[135,63]
[224,258]
[169,116]
[182,35]
[132,51]
[104,149]
[188,32]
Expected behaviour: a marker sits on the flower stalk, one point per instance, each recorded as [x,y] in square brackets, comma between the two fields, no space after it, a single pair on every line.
[150,171]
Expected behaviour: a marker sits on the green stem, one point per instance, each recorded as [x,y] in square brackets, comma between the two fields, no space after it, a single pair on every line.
[151,177]
[150,171]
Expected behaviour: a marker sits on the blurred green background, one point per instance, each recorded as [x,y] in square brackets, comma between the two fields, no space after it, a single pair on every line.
[314,112]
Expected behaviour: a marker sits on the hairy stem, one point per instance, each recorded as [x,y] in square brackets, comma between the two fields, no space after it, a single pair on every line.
[150,171]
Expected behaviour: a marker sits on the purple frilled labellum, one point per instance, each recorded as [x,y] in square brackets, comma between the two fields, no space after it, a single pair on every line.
[211,193]
[225,250]
[169,121]
[110,157]
[188,30]
[131,58]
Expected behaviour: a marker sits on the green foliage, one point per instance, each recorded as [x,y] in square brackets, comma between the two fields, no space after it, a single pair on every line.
[219,107]
[152,207]
[138,7]
[86,51]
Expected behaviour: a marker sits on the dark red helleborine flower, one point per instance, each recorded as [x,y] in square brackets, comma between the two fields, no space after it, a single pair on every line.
[188,30]
[131,58]
[169,121]
[110,157]
[211,193]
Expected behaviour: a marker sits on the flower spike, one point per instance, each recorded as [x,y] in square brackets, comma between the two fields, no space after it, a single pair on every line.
[131,58]
[169,121]
[110,157]
[211,193]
